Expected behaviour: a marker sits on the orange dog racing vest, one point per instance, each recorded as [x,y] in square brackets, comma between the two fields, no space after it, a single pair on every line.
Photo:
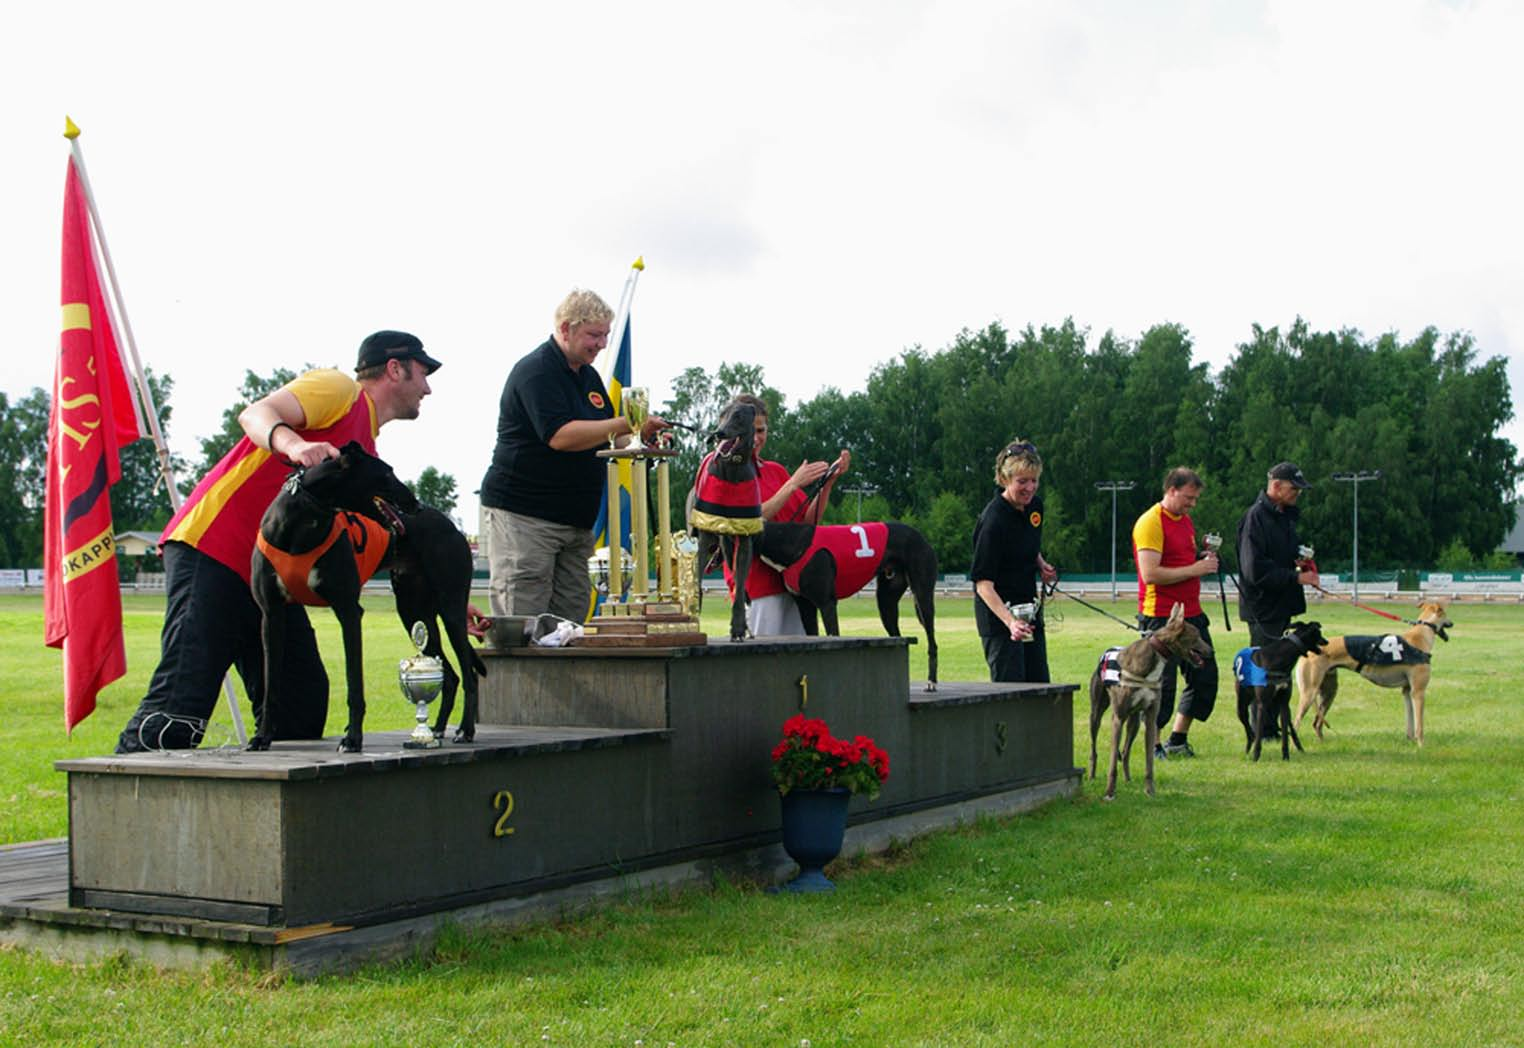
[368,539]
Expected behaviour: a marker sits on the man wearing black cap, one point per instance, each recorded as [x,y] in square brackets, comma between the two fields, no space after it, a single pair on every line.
[1270,572]
[210,619]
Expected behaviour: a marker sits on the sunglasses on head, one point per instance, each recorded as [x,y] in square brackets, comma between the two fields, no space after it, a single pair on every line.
[1017,449]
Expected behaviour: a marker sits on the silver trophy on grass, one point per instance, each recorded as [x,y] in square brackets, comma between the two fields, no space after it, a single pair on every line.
[421,677]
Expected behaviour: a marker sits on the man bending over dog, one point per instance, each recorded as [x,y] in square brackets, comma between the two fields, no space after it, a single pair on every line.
[542,490]
[1270,572]
[210,619]
[1169,573]
[771,611]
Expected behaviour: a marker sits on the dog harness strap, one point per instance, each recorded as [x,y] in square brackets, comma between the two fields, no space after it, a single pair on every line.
[368,540]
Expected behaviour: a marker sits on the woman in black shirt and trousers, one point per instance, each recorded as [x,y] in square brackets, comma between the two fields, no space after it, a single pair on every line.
[1007,561]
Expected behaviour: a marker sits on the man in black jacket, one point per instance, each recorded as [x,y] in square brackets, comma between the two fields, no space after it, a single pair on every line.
[1271,575]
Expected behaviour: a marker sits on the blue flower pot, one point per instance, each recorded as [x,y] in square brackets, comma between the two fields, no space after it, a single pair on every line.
[814,823]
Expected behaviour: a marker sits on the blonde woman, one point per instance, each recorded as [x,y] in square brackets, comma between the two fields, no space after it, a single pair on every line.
[1007,563]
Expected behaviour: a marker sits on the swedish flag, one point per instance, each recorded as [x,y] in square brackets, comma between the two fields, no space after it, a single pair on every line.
[618,379]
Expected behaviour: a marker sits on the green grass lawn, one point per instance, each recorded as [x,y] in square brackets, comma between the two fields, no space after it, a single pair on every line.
[1365,893]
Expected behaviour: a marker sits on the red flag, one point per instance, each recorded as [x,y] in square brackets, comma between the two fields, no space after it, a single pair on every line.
[93,416]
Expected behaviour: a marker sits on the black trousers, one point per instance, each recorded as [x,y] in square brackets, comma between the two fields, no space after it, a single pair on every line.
[1200,695]
[1015,661]
[211,623]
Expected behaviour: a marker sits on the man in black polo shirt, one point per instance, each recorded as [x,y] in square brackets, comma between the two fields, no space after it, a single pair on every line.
[542,491]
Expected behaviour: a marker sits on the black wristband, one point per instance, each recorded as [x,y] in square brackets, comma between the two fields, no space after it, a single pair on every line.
[270,437]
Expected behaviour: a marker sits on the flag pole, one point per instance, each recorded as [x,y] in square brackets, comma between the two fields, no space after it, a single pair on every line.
[146,406]
[622,313]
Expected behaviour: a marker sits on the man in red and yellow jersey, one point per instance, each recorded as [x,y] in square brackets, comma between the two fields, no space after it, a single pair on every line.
[210,619]
[1169,573]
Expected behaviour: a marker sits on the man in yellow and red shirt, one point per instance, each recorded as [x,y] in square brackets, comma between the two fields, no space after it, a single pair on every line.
[1169,573]
[210,619]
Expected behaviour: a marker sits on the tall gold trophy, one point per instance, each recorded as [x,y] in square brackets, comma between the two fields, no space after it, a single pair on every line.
[640,619]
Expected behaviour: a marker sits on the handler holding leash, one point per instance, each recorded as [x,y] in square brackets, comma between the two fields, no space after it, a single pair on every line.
[771,611]
[210,619]
[1270,573]
[542,490]
[1170,573]
[1007,561]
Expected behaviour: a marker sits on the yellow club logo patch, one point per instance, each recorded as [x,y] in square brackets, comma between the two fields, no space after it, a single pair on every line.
[596,399]
[1036,519]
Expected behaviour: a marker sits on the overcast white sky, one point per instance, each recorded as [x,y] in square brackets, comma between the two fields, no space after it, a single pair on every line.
[814,186]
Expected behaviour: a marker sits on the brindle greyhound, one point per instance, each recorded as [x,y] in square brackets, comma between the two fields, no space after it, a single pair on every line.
[1259,693]
[1135,692]
[327,531]
[725,506]
[1392,661]
[822,564]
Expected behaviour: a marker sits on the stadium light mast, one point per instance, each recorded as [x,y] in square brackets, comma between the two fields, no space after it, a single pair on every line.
[860,491]
[1114,486]
[1355,477]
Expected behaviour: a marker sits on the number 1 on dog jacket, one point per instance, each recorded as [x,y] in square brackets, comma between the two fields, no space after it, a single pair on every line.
[857,549]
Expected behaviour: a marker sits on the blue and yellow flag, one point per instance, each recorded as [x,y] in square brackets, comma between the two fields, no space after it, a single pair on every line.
[618,380]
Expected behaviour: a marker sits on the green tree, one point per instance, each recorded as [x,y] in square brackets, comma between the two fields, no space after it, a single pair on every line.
[436,489]
[23,472]
[254,388]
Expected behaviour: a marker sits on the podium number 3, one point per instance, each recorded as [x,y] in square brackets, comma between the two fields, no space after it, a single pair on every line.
[864,551]
[502,801]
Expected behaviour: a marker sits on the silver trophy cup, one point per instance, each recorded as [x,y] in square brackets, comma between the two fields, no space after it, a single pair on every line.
[1026,613]
[421,677]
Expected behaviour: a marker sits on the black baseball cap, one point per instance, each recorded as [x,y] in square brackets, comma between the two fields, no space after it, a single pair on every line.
[394,345]
[1289,471]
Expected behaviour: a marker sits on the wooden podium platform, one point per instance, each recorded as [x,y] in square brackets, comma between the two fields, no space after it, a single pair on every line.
[591,767]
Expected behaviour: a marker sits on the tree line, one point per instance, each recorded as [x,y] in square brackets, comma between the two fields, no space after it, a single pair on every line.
[138,500]
[924,434]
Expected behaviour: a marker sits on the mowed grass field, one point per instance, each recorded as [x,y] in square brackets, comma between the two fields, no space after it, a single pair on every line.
[1365,893]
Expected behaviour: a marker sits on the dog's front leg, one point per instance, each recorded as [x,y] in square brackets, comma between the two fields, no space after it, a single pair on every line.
[1260,699]
[1150,741]
[272,632]
[739,570]
[1116,754]
[354,675]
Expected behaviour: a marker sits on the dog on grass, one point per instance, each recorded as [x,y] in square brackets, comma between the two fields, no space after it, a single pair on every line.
[1127,682]
[1391,661]
[333,526]
[822,564]
[1258,694]
[725,506]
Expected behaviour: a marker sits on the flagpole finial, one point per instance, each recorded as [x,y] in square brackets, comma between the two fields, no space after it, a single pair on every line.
[71,129]
[639,263]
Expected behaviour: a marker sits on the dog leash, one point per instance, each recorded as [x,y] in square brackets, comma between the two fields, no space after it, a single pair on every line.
[812,491]
[1364,607]
[1100,611]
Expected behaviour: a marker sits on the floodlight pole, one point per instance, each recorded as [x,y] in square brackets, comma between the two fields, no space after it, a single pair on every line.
[860,491]
[1355,478]
[1114,486]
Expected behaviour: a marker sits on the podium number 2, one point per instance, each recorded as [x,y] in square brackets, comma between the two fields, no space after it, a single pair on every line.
[864,551]
[502,801]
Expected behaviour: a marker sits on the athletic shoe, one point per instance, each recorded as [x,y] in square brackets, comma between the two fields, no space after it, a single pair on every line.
[1177,749]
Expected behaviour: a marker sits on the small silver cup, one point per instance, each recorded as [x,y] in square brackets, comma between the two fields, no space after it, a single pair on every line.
[421,677]
[1212,541]
[1026,613]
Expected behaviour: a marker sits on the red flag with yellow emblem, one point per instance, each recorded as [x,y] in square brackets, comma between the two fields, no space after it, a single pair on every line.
[92,417]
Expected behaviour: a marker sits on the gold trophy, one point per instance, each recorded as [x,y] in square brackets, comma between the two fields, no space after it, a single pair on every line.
[635,405]
[421,677]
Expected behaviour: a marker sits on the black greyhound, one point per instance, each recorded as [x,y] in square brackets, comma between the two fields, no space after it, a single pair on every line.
[1260,695]
[725,506]
[808,558]
[331,523]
